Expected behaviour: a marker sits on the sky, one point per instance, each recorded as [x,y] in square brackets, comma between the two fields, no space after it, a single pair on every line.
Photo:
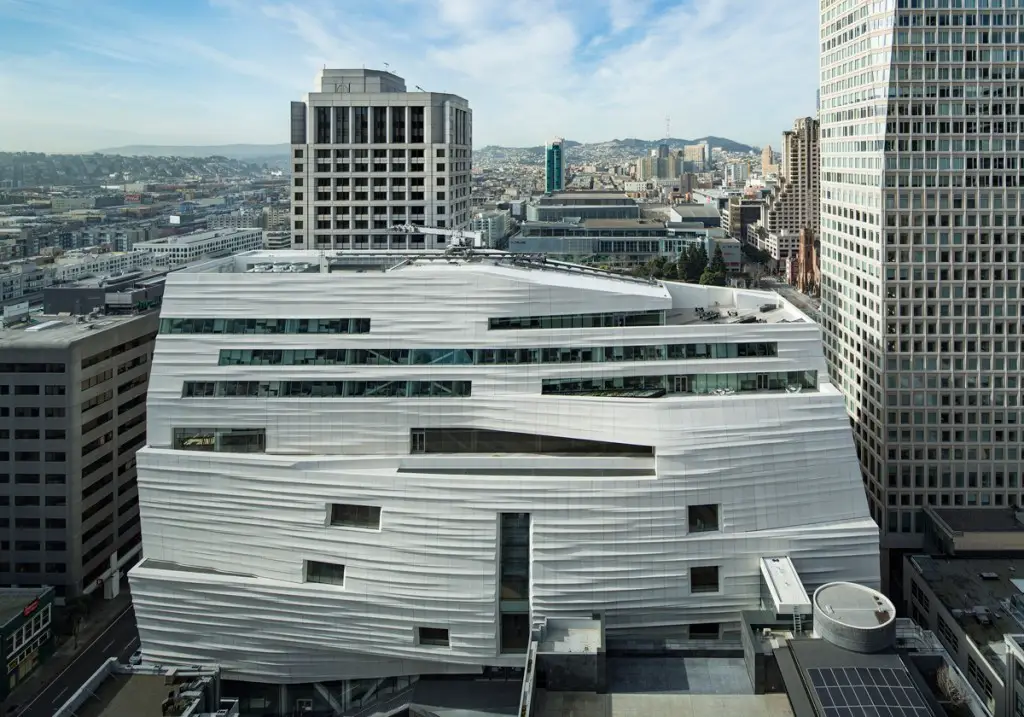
[83,75]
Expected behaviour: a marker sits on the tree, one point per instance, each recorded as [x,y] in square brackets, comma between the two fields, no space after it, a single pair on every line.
[950,686]
[692,263]
[716,272]
[756,255]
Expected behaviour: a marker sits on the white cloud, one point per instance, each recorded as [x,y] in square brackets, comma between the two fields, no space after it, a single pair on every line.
[531,69]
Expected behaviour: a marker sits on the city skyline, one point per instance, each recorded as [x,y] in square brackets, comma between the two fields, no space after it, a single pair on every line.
[107,74]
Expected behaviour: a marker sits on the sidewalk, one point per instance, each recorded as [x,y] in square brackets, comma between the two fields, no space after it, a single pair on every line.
[97,621]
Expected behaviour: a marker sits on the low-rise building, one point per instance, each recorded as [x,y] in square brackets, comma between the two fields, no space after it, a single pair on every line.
[26,635]
[117,690]
[705,214]
[559,206]
[780,245]
[185,248]
[622,242]
[240,219]
[970,593]
[277,239]
[739,213]
[493,225]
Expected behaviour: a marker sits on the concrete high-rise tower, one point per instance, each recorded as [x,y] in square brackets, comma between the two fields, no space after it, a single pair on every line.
[919,242]
[367,154]
[554,166]
[768,160]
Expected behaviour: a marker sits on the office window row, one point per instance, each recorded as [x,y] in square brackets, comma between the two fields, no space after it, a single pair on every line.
[700,384]
[326,389]
[264,326]
[489,357]
[221,440]
[579,321]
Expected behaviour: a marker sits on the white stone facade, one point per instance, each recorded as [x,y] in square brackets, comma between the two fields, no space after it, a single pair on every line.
[653,455]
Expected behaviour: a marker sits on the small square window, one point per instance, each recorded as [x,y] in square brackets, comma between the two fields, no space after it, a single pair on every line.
[702,518]
[436,636]
[704,579]
[705,631]
[331,573]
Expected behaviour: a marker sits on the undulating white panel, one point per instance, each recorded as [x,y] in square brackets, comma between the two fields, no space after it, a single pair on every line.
[228,537]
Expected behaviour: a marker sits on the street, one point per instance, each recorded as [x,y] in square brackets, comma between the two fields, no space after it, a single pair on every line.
[119,640]
[801,301]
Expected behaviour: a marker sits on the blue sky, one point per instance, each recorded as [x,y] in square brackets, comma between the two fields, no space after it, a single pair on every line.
[80,75]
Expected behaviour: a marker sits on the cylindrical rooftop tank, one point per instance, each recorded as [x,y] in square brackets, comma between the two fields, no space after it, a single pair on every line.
[854,617]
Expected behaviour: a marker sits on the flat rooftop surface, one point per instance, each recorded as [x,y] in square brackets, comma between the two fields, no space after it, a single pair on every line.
[14,600]
[197,237]
[678,675]
[876,683]
[123,695]
[959,585]
[49,331]
[980,520]
[587,704]
[854,605]
[610,194]
[650,224]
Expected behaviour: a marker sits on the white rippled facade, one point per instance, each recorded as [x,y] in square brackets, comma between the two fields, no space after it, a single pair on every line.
[227,536]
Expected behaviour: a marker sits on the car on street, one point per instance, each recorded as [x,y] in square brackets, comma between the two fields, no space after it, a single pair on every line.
[136,658]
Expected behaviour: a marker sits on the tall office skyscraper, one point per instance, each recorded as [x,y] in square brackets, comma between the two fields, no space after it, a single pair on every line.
[920,280]
[367,155]
[554,166]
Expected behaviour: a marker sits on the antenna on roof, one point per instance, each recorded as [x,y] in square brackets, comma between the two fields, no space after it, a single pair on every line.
[387,67]
[420,88]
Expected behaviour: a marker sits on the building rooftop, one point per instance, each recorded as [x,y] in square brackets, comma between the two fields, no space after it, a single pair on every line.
[980,520]
[117,690]
[615,194]
[854,605]
[696,210]
[863,684]
[648,224]
[14,600]
[194,238]
[119,695]
[685,304]
[51,331]
[984,595]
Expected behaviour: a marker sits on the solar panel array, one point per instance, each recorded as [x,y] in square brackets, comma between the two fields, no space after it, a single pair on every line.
[867,692]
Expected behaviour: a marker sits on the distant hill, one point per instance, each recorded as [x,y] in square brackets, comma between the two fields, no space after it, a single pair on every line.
[245,152]
[639,145]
